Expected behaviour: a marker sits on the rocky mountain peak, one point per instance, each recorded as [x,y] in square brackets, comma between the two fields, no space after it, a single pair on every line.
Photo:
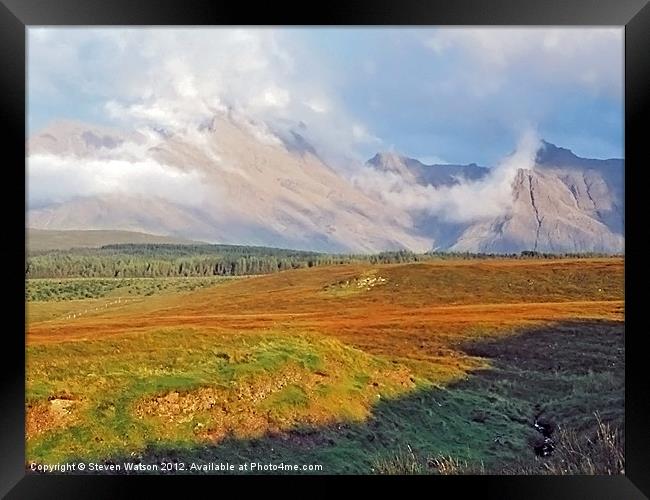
[389,161]
[553,155]
[269,187]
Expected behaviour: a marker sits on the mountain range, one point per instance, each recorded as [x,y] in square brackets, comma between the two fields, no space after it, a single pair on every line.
[236,181]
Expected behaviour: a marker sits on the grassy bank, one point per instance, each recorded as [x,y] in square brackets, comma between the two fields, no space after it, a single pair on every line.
[298,399]
[349,367]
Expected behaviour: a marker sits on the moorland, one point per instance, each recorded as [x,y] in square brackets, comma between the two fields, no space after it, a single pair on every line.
[402,365]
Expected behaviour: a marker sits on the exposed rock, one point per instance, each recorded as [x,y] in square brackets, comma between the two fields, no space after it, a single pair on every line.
[266,188]
[564,204]
[260,191]
[545,217]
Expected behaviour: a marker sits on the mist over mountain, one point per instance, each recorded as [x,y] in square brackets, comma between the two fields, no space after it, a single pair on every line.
[231,182]
[235,180]
[435,175]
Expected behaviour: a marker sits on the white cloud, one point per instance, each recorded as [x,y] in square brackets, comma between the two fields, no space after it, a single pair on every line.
[361,134]
[176,77]
[317,105]
[432,160]
[588,57]
[471,82]
[55,179]
[273,97]
[467,201]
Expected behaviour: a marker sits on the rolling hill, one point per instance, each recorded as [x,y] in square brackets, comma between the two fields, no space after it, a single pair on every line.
[43,239]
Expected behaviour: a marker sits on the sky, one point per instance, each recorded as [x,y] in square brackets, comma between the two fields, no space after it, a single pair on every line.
[441,95]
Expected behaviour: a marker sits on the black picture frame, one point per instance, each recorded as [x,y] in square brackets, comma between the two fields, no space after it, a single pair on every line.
[17,15]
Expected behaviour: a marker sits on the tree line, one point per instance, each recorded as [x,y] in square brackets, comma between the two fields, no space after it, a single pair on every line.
[171,260]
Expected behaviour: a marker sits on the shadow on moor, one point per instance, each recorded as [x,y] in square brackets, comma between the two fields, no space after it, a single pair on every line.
[540,380]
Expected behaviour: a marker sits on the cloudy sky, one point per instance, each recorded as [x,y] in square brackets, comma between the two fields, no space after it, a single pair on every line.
[455,95]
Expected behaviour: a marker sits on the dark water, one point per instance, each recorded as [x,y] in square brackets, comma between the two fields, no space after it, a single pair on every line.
[544,446]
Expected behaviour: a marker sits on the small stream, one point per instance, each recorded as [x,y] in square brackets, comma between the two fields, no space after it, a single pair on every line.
[545,446]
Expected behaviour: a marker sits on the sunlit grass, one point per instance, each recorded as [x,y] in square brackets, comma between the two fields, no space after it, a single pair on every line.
[351,376]
[144,388]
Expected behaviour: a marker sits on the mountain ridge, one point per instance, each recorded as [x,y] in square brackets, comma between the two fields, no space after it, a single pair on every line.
[246,184]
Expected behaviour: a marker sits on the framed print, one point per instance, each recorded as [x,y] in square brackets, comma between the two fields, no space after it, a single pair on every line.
[377,240]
